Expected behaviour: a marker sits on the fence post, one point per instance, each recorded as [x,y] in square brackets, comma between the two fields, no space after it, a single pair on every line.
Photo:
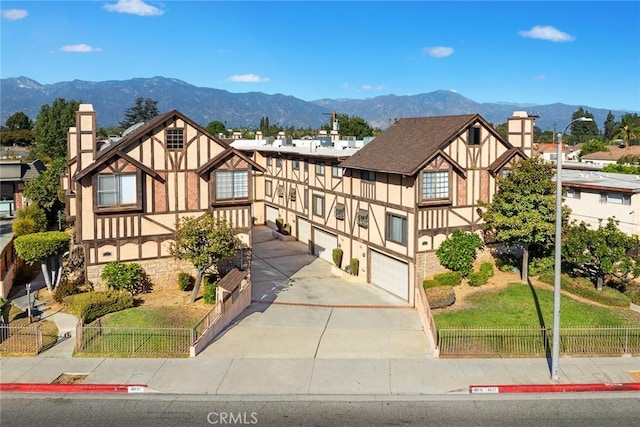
[626,340]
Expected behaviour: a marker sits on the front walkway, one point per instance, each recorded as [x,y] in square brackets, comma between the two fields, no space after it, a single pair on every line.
[300,310]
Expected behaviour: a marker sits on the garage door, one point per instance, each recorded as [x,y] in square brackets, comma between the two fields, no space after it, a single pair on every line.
[303,230]
[390,274]
[323,244]
[272,215]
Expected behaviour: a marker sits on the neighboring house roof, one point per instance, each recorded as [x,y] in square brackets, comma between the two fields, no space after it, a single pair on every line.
[549,147]
[601,181]
[408,144]
[31,171]
[614,153]
[118,148]
[505,158]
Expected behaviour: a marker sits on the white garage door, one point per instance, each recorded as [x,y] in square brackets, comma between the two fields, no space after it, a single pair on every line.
[303,230]
[323,244]
[390,274]
[272,215]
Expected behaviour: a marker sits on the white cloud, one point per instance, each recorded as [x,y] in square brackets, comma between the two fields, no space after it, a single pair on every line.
[547,32]
[81,48]
[370,87]
[247,78]
[14,14]
[134,7]
[539,77]
[438,51]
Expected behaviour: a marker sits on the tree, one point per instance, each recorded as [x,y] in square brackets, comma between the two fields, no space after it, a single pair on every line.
[46,248]
[30,219]
[592,147]
[628,129]
[19,121]
[609,127]
[352,126]
[204,241]
[44,190]
[51,127]
[144,110]
[602,251]
[523,209]
[458,251]
[583,131]
[215,128]
[20,137]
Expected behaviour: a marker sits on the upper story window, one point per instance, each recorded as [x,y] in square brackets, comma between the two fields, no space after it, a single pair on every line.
[279,162]
[397,229]
[336,171]
[232,185]
[435,185]
[295,164]
[175,139]
[269,160]
[292,194]
[268,188]
[319,168]
[573,193]
[339,212]
[615,198]
[318,205]
[368,175]
[474,136]
[117,190]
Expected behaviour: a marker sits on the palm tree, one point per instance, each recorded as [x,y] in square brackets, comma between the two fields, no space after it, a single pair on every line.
[628,129]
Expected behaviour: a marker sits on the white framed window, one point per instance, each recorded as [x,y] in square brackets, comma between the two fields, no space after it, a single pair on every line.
[318,205]
[232,185]
[615,198]
[397,228]
[336,171]
[435,185]
[319,168]
[117,190]
[573,193]
[295,164]
[268,188]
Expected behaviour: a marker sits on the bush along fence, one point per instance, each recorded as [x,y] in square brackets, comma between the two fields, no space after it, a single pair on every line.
[20,340]
[537,341]
[97,338]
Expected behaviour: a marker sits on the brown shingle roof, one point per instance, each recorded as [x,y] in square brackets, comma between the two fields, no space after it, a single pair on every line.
[614,153]
[405,146]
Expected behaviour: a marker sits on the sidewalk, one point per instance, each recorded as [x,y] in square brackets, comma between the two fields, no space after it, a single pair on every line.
[313,376]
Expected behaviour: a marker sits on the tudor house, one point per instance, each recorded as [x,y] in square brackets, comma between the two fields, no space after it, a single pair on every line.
[392,202]
[126,196]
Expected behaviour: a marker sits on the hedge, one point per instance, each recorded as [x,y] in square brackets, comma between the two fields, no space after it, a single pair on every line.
[38,246]
[89,306]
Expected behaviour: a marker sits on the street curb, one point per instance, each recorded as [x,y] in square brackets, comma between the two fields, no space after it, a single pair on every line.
[71,388]
[552,388]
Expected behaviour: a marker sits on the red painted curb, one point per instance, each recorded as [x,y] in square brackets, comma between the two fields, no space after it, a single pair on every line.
[71,388]
[552,388]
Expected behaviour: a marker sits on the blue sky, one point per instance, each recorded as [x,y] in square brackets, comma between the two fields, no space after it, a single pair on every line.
[580,53]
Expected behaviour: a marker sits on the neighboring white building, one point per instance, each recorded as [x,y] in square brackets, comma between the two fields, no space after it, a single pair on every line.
[594,196]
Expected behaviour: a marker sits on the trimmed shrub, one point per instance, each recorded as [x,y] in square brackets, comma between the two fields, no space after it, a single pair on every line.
[458,251]
[354,266]
[89,306]
[185,281]
[286,230]
[38,246]
[441,296]
[337,257]
[125,277]
[487,268]
[430,283]
[478,278]
[541,265]
[30,219]
[65,288]
[210,292]
[450,278]
[280,224]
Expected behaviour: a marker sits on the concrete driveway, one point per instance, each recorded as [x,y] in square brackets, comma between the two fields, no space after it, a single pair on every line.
[300,310]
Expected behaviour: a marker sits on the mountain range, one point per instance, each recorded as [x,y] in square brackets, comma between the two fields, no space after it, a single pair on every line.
[111,98]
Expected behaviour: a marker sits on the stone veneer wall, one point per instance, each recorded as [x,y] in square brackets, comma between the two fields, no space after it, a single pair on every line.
[163,272]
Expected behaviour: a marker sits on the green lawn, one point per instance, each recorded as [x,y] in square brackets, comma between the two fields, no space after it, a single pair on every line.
[154,316]
[522,305]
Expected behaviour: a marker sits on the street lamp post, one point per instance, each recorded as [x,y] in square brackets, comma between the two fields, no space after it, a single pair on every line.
[555,355]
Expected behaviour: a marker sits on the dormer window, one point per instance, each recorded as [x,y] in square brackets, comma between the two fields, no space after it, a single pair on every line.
[474,136]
